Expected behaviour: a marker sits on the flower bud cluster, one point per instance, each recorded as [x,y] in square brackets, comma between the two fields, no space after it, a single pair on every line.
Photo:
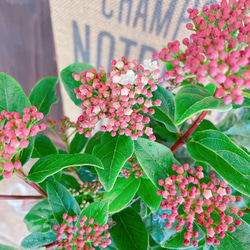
[129,84]
[85,235]
[206,203]
[87,191]
[136,169]
[15,129]
[218,51]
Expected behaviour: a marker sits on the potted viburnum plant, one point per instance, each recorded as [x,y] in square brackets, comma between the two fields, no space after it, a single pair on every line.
[159,174]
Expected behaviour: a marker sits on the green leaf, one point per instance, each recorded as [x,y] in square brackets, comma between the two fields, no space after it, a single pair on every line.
[166,112]
[129,231]
[98,211]
[40,217]
[147,192]
[95,140]
[246,103]
[87,174]
[192,99]
[228,160]
[51,164]
[113,153]
[69,82]
[43,94]
[246,200]
[155,159]
[12,97]
[122,193]
[69,181]
[61,201]
[205,125]
[26,153]
[4,247]
[43,146]
[35,240]
[78,143]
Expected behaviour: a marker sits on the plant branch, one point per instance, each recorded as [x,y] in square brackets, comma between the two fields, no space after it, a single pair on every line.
[182,140]
[51,246]
[246,94]
[22,175]
[20,197]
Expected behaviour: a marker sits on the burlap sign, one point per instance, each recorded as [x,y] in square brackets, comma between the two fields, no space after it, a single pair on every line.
[97,31]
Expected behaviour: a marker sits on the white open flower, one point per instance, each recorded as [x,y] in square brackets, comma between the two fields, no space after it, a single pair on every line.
[129,77]
[149,65]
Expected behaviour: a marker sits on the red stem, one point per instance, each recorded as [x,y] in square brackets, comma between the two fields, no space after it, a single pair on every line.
[182,140]
[32,184]
[51,246]
[20,197]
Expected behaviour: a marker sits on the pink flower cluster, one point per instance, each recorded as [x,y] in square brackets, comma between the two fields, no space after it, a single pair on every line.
[85,236]
[207,203]
[218,51]
[15,129]
[129,84]
[136,169]
[87,191]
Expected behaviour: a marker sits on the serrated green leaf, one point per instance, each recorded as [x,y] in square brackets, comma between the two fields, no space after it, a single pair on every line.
[98,210]
[78,143]
[51,164]
[122,193]
[35,240]
[39,218]
[113,153]
[147,191]
[43,146]
[61,201]
[166,112]
[192,99]
[155,159]
[43,94]
[228,160]
[129,231]
[12,96]
[69,82]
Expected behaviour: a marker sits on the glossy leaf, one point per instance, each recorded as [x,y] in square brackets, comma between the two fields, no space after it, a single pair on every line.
[51,164]
[166,112]
[12,96]
[39,218]
[43,146]
[113,153]
[78,143]
[61,201]
[69,82]
[26,153]
[147,191]
[35,240]
[155,159]
[192,99]
[98,210]
[43,94]
[228,160]
[87,174]
[69,181]
[95,140]
[129,231]
[122,193]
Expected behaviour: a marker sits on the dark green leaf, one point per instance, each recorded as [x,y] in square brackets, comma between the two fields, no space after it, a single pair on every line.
[95,140]
[26,153]
[87,174]
[228,160]
[61,201]
[205,125]
[40,217]
[129,231]
[43,146]
[122,193]
[51,164]
[154,158]
[78,143]
[98,211]
[246,200]
[69,181]
[166,112]
[69,82]
[12,96]
[35,240]
[113,153]
[147,192]
[43,94]
[192,99]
